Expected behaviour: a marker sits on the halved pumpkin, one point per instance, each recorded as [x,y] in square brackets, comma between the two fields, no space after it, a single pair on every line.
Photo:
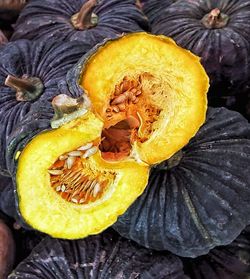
[139,109]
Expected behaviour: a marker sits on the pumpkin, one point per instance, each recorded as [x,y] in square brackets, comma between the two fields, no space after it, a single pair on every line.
[83,165]
[29,73]
[227,262]
[88,21]
[199,198]
[217,31]
[103,256]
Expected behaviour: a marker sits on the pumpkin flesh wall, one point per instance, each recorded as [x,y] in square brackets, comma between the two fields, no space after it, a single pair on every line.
[81,172]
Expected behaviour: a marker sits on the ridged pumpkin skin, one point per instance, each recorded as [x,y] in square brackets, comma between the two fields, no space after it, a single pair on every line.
[200,198]
[48,61]
[224,51]
[227,262]
[152,8]
[52,19]
[7,197]
[103,256]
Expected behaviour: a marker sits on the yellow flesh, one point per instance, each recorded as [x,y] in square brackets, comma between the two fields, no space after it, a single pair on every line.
[178,75]
[42,207]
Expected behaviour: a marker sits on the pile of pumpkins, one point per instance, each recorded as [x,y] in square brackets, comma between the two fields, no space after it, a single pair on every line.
[125,139]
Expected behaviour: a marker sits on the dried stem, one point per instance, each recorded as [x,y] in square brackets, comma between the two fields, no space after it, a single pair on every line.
[215,19]
[85,18]
[27,88]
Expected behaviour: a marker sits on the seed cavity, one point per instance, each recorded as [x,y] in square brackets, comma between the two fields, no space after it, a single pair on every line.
[130,115]
[72,177]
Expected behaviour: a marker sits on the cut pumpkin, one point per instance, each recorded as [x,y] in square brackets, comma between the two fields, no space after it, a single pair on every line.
[138,110]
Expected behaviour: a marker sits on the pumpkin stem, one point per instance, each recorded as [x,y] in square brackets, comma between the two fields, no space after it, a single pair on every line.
[215,19]
[85,18]
[171,162]
[66,109]
[27,88]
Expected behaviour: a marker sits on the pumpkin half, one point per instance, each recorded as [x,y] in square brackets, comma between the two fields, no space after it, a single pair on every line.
[78,178]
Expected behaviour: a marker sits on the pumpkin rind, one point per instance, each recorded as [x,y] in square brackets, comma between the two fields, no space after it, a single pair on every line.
[104,256]
[224,51]
[48,61]
[229,262]
[48,20]
[203,200]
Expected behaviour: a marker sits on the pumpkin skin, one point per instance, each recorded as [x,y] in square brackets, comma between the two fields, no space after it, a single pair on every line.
[227,262]
[7,197]
[198,199]
[52,19]
[224,51]
[151,8]
[49,62]
[113,257]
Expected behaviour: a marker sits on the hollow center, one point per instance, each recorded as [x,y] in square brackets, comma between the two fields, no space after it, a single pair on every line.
[117,140]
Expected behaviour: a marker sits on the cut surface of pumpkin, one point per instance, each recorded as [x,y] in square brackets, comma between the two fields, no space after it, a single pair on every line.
[85,194]
[137,110]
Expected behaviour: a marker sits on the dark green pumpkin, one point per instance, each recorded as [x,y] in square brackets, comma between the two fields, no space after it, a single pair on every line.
[105,256]
[102,19]
[225,262]
[218,31]
[200,198]
[34,70]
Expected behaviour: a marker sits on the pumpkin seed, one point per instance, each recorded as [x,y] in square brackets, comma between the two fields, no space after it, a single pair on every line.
[90,152]
[86,146]
[55,172]
[75,153]
[70,161]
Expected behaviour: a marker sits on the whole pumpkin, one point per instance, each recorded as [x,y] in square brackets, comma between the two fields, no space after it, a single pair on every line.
[103,256]
[200,198]
[217,31]
[29,73]
[84,20]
